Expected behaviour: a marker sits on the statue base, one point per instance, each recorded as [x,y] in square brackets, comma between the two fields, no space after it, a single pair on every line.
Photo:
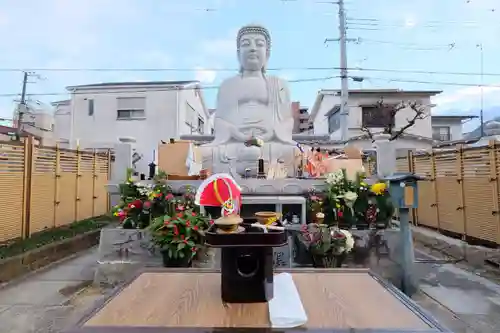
[236,158]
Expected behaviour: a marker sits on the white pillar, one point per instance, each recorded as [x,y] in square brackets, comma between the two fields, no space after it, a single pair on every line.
[386,155]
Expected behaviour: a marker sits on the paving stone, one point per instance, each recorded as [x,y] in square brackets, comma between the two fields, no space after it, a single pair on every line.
[35,319]
[35,292]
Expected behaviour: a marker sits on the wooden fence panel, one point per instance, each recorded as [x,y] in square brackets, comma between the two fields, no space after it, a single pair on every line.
[86,186]
[101,179]
[479,201]
[42,189]
[427,202]
[67,188]
[447,192]
[46,187]
[12,166]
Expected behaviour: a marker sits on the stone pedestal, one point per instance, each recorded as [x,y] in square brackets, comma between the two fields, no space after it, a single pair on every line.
[121,253]
[386,155]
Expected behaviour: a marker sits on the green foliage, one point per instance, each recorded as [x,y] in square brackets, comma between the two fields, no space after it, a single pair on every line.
[52,235]
[347,203]
[179,235]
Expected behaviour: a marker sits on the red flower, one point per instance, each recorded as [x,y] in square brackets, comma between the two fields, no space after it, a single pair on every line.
[339,235]
[147,204]
[166,222]
[195,228]
[340,214]
[188,224]
[211,222]
[182,236]
[169,196]
[180,208]
[180,214]
[193,214]
[135,204]
[193,249]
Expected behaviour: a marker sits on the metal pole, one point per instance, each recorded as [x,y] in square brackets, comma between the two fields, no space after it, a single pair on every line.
[408,285]
[344,93]
[22,107]
[481,114]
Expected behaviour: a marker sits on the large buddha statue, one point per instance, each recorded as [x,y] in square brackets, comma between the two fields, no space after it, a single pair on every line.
[252,105]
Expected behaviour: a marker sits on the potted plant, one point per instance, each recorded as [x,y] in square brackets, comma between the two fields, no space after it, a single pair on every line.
[142,202]
[328,246]
[179,237]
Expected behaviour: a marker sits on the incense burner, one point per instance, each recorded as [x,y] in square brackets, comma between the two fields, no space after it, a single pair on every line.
[246,262]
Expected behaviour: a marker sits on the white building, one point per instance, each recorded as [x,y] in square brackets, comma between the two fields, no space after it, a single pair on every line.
[449,127]
[98,115]
[326,118]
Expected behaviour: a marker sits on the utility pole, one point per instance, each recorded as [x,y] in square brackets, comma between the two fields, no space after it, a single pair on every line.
[481,113]
[344,92]
[22,107]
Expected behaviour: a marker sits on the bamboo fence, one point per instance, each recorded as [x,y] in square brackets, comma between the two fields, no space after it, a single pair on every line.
[460,194]
[48,187]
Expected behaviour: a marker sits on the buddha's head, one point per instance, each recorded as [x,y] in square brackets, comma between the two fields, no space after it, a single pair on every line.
[254,47]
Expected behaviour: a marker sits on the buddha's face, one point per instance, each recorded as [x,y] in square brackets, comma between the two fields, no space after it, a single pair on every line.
[253,51]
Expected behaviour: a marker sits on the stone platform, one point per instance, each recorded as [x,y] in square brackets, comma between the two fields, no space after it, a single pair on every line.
[250,186]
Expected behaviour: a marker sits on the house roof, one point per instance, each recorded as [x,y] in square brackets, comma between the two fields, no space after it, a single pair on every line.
[382,91]
[461,117]
[321,94]
[7,130]
[404,135]
[63,102]
[129,84]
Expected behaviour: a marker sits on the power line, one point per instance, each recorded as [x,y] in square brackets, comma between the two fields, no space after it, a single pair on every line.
[387,79]
[408,71]
[159,89]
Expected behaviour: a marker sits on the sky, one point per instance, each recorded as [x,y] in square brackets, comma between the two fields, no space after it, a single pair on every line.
[395,44]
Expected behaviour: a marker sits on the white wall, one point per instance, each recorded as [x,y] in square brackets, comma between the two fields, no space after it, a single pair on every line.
[455,126]
[103,125]
[161,121]
[194,99]
[422,127]
[62,122]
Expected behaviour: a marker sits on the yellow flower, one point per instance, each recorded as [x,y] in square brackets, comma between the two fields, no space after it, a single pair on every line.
[363,184]
[378,188]
[337,205]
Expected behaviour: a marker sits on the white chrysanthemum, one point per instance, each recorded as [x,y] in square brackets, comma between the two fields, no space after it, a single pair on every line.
[350,196]
[349,241]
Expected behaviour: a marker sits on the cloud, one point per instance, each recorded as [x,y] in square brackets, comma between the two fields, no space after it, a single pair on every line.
[466,99]
[205,75]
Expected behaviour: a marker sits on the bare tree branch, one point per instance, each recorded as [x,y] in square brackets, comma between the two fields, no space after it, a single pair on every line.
[419,114]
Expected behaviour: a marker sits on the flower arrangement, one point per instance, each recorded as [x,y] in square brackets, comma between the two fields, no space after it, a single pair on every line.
[328,245]
[141,202]
[179,236]
[348,203]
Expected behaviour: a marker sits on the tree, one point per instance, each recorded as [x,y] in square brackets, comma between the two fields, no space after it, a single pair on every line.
[388,113]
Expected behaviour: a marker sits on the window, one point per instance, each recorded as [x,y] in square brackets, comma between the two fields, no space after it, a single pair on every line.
[376,117]
[131,108]
[334,121]
[441,133]
[201,125]
[91,107]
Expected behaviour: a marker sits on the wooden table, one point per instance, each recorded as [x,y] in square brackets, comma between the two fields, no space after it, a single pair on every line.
[188,300]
